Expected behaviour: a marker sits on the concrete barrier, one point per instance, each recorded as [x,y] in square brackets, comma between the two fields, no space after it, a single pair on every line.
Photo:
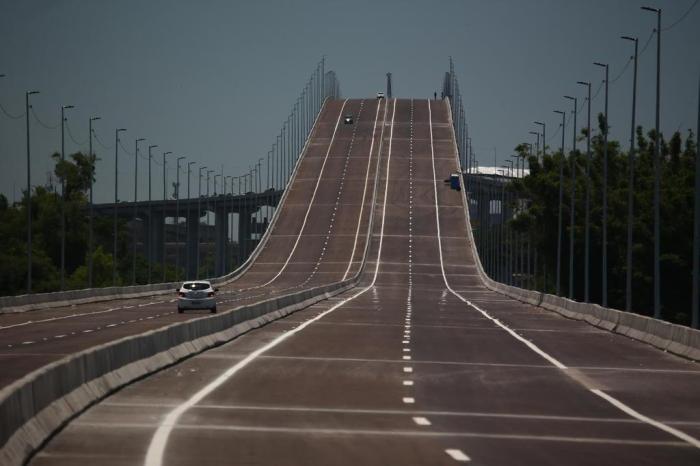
[677,339]
[36,406]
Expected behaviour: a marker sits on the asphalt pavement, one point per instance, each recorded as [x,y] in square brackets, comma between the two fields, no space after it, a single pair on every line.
[418,364]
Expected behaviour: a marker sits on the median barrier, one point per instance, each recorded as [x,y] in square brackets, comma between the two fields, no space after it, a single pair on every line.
[40,403]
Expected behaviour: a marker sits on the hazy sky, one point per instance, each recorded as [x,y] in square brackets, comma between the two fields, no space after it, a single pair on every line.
[213,80]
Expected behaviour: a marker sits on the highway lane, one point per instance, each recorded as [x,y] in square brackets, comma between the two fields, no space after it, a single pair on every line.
[32,339]
[420,364]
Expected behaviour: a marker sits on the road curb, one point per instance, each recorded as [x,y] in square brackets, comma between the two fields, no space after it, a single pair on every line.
[36,406]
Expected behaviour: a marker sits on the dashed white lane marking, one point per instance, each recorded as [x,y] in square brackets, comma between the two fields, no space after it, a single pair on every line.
[421,421]
[409,400]
[87,331]
[59,336]
[156,448]
[457,455]
[613,401]
[27,342]
[408,383]
[408,369]
[406,358]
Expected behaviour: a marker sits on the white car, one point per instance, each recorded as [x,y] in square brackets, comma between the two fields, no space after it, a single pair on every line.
[196,295]
[380,95]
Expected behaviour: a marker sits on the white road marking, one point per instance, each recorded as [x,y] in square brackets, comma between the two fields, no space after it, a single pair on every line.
[408,369]
[59,336]
[407,358]
[156,448]
[422,421]
[27,342]
[457,455]
[613,401]
[408,383]
[408,400]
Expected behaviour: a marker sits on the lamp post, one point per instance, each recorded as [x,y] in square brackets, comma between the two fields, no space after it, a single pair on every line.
[136,198]
[573,202]
[116,202]
[165,198]
[177,218]
[209,172]
[199,215]
[695,312]
[150,214]
[561,199]
[587,249]
[657,168]
[63,198]
[604,274]
[92,180]
[187,223]
[537,143]
[630,185]
[29,194]
[544,136]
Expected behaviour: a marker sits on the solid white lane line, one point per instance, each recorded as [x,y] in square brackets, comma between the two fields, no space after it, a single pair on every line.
[457,455]
[364,193]
[613,401]
[311,203]
[156,448]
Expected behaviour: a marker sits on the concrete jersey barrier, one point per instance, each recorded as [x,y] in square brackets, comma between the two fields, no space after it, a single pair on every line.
[676,339]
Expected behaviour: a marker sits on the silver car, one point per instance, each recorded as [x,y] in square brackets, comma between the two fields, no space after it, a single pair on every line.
[196,295]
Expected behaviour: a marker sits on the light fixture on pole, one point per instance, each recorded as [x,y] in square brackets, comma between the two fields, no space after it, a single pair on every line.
[149,230]
[604,262]
[587,228]
[29,194]
[136,198]
[162,220]
[116,202]
[561,200]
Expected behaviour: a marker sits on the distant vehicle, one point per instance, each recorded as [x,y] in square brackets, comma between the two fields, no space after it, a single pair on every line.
[348,119]
[380,95]
[196,295]
[454,181]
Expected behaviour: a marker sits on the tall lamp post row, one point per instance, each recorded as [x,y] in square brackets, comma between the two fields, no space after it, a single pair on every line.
[630,207]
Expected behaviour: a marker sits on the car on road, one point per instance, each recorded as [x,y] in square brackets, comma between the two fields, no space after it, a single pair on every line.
[348,119]
[380,95]
[197,294]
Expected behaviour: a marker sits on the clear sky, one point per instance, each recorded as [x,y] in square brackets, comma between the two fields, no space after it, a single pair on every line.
[213,80]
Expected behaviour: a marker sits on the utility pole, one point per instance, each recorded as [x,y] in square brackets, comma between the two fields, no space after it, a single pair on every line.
[177,218]
[695,313]
[199,215]
[388,86]
[544,137]
[187,223]
[573,203]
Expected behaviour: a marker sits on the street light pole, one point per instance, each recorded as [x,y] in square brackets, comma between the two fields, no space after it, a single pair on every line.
[165,199]
[573,202]
[187,223]
[177,218]
[116,203]
[657,170]
[537,144]
[544,136]
[29,195]
[561,199]
[63,198]
[630,185]
[150,214]
[92,180]
[136,192]
[199,213]
[604,274]
[587,256]
[695,312]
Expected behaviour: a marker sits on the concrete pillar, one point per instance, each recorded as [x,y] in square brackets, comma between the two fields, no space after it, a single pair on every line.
[191,245]
[220,240]
[244,231]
